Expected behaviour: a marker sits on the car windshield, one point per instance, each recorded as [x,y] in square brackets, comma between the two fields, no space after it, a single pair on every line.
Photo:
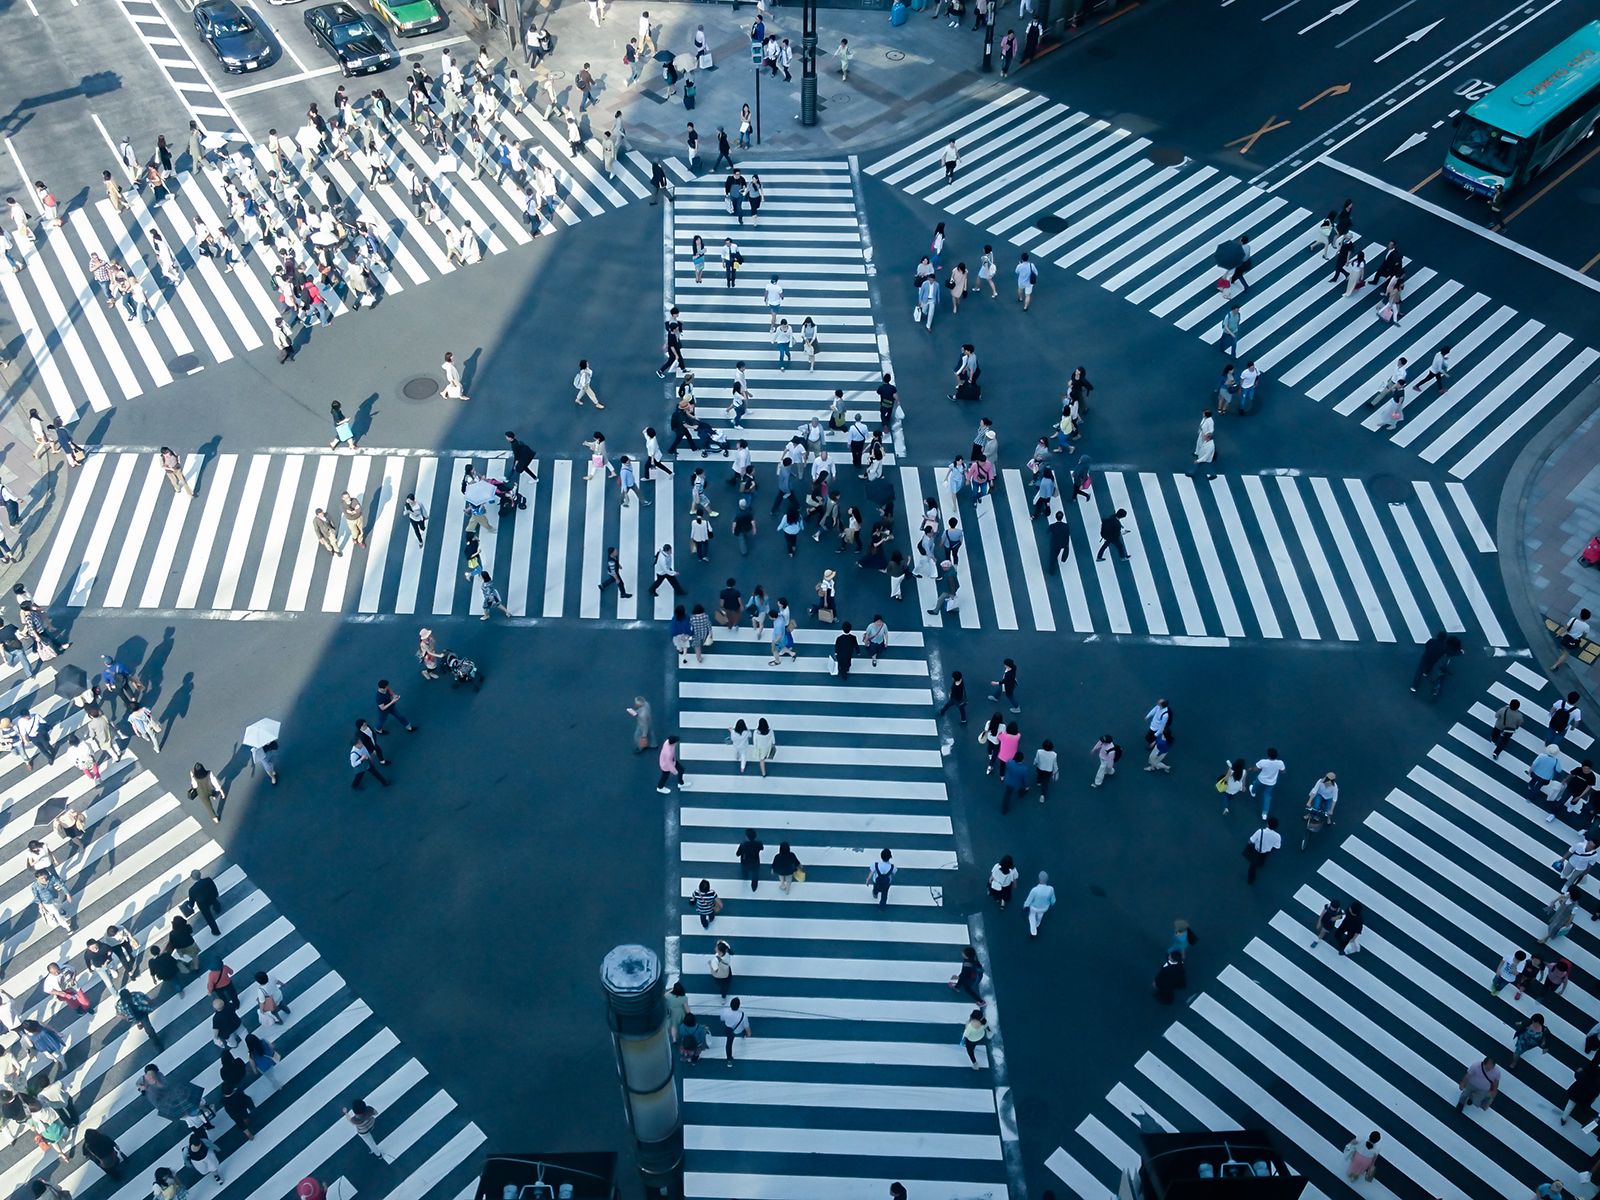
[224,24]
[1487,147]
[348,32]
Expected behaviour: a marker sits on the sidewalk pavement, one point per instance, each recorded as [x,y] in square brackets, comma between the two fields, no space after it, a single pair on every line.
[1549,510]
[33,480]
[902,79]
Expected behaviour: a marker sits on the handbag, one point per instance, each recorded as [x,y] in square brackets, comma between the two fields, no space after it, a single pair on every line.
[344,430]
[833,666]
[916,313]
[825,615]
[799,874]
[1222,782]
[716,905]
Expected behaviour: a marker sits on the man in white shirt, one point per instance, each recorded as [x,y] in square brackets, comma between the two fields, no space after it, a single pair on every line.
[1439,370]
[1267,770]
[665,571]
[1395,385]
[1262,843]
[951,158]
[1572,635]
[1041,899]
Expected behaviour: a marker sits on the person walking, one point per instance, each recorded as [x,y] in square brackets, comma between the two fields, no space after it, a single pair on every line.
[1172,977]
[204,787]
[355,518]
[1027,277]
[787,867]
[763,745]
[749,854]
[362,763]
[643,734]
[362,1117]
[1506,723]
[665,571]
[1479,1086]
[1582,1092]
[1111,532]
[1105,753]
[1041,899]
[1267,772]
[973,1035]
[1006,685]
[735,1024]
[880,876]
[1003,878]
[669,764]
[493,601]
[583,384]
[1260,846]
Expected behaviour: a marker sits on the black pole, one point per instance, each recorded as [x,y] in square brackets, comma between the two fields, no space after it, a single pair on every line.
[988,35]
[808,62]
[758,103]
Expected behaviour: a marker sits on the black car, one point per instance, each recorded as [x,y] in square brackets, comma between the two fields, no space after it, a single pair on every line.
[233,35]
[354,40]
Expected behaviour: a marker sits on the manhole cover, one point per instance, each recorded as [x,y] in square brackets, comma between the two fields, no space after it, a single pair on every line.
[1050,224]
[842,98]
[184,364]
[894,55]
[1165,156]
[1390,489]
[423,387]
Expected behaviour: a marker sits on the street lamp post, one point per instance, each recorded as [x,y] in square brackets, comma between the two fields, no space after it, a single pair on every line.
[808,62]
[636,1013]
[988,35]
[755,64]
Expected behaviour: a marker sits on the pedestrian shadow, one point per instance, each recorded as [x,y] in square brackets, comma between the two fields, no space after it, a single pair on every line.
[231,770]
[131,651]
[155,667]
[362,424]
[469,370]
[178,707]
[208,453]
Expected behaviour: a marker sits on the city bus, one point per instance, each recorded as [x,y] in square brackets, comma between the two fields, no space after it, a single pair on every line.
[1517,131]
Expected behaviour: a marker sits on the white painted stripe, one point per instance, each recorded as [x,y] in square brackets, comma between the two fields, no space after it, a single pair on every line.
[750,1139]
[443,1161]
[1336,309]
[1163,235]
[1137,218]
[1172,553]
[154,364]
[1144,579]
[1477,600]
[813,786]
[1278,551]
[1179,1089]
[594,523]
[1361,321]
[172,533]
[1469,517]
[1365,592]
[238,542]
[874,727]
[1505,428]
[715,661]
[1106,575]
[945,132]
[132,540]
[355,483]
[65,334]
[384,521]
[709,1185]
[1076,1176]
[994,561]
[1105,199]
[83,297]
[212,500]
[1203,256]
[39,347]
[1528,367]
[891,1097]
[450,512]
[1028,550]
[812,892]
[1409,610]
[1019,148]
[184,292]
[277,536]
[91,569]
[1386,348]
[1244,556]
[818,929]
[777,819]
[1431,579]
[1116,1151]
[856,858]
[411,569]
[1316,558]
[805,694]
[1210,561]
[305,564]
[1201,234]
[66,533]
[555,579]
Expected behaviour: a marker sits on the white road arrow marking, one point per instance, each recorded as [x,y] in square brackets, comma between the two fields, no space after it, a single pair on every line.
[1416,139]
[1408,39]
[1336,11]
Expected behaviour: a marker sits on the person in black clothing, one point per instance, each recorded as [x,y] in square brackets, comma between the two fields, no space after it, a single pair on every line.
[1111,535]
[234,1072]
[844,650]
[206,900]
[724,150]
[162,966]
[1349,926]
[957,698]
[749,856]
[886,401]
[1434,650]
[225,1024]
[238,1105]
[658,182]
[674,327]
[104,1153]
[1170,979]
[970,975]
[522,457]
[181,945]
[1060,542]
[1341,223]
[1391,264]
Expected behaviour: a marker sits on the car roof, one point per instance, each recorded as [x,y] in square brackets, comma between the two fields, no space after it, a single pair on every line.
[219,7]
[404,5]
[337,13]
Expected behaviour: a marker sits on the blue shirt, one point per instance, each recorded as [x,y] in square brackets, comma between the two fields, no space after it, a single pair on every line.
[1016,775]
[1544,767]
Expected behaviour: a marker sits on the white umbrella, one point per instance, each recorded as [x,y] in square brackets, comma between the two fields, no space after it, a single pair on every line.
[325,237]
[215,141]
[480,491]
[308,138]
[262,732]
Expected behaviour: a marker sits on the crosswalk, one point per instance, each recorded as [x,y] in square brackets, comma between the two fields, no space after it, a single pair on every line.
[808,233]
[1278,557]
[80,354]
[1453,868]
[852,1077]
[1092,198]
[133,869]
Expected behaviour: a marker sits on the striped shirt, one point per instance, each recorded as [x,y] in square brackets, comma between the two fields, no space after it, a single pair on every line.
[705,902]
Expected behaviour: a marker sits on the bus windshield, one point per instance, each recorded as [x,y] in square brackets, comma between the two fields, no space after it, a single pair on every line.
[1487,147]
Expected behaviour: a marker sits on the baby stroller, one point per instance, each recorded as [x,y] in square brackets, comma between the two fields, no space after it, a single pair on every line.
[510,496]
[462,670]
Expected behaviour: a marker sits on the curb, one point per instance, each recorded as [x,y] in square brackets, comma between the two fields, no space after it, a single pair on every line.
[1511,524]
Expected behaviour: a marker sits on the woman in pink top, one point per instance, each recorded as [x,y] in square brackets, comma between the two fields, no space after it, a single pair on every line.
[1006,745]
[669,765]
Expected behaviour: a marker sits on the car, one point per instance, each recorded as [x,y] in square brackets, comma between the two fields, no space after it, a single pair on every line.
[233,36]
[409,17]
[354,40]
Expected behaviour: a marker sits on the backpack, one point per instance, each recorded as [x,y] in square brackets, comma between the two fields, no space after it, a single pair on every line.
[1116,752]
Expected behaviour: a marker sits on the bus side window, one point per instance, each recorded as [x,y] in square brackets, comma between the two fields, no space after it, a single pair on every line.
[1584,109]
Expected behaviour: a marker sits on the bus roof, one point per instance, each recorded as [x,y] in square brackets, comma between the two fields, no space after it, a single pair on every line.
[1536,93]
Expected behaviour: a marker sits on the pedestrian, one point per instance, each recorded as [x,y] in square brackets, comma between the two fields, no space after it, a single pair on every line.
[1260,845]
[787,867]
[844,651]
[1171,977]
[1006,685]
[355,518]
[1582,1093]
[268,999]
[361,1115]
[364,762]
[493,601]
[735,1024]
[1003,878]
[749,852]
[973,1035]
[763,745]
[1527,1036]
[1479,1086]
[665,571]
[1111,532]
[1565,716]
[1027,276]
[1267,772]
[1105,753]
[583,383]
[969,975]
[207,900]
[880,876]
[1041,899]
[1347,930]
[202,1156]
[102,1150]
[1232,781]
[226,1027]
[343,430]
[669,764]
